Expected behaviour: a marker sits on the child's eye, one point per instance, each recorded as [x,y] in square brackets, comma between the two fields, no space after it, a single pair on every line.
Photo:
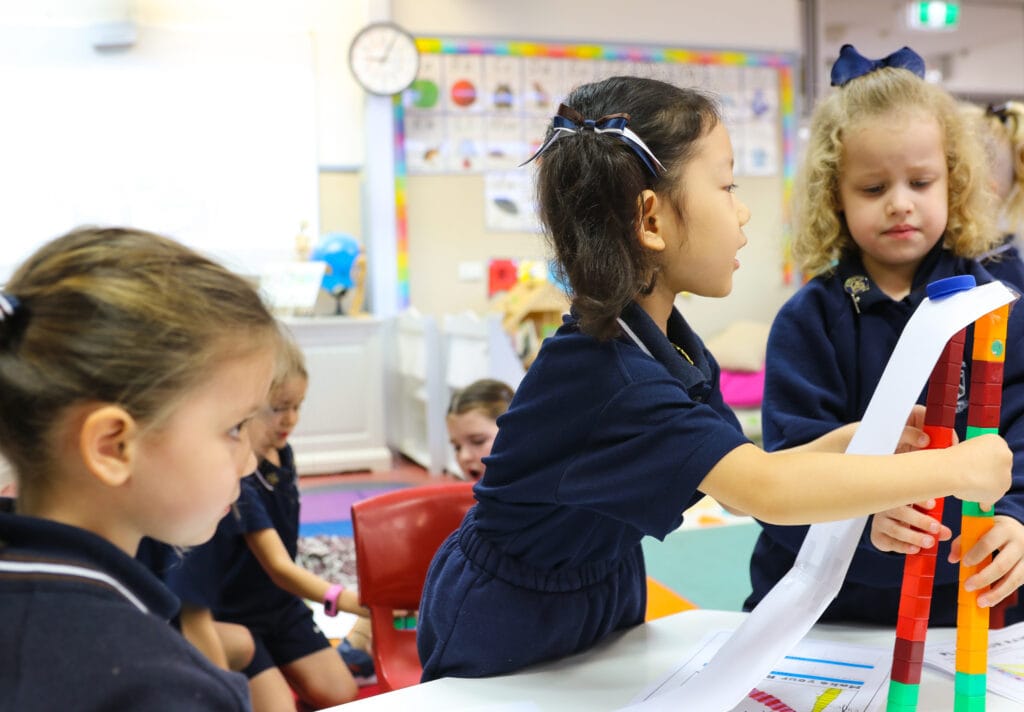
[873,189]
[731,188]
[236,431]
[920,183]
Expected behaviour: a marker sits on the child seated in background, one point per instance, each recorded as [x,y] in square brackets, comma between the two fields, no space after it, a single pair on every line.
[472,426]
[130,366]
[247,574]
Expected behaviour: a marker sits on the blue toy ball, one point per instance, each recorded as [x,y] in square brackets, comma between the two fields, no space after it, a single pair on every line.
[339,251]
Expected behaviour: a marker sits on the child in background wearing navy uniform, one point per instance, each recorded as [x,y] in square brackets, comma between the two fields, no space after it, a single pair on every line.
[619,425]
[129,368]
[247,574]
[472,422]
[894,198]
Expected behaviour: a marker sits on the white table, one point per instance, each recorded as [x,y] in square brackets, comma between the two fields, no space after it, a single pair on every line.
[608,676]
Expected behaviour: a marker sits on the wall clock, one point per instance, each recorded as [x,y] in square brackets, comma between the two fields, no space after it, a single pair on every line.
[383,58]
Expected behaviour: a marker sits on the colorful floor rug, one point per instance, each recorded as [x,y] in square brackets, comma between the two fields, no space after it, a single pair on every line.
[325,527]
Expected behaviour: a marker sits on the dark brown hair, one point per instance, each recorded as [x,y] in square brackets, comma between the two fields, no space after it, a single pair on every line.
[487,395]
[589,184]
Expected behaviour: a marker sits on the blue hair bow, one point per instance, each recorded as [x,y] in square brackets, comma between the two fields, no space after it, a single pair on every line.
[570,121]
[9,306]
[852,64]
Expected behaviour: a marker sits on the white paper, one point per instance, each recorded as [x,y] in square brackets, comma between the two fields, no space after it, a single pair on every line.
[334,628]
[818,675]
[791,608]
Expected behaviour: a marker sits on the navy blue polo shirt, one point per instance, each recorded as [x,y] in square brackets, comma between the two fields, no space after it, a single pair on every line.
[96,635]
[827,350]
[604,442]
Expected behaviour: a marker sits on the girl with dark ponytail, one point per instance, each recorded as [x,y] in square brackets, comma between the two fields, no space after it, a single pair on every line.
[619,424]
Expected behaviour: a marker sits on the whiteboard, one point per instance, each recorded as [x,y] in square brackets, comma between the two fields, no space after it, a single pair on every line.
[206,136]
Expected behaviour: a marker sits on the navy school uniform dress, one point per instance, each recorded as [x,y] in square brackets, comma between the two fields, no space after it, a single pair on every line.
[827,350]
[83,626]
[224,575]
[604,442]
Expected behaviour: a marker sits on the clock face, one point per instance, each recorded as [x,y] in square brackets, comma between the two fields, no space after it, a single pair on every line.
[383,58]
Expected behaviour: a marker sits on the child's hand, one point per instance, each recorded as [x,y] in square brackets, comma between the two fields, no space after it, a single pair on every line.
[1006,571]
[907,530]
[985,462]
[348,601]
[913,436]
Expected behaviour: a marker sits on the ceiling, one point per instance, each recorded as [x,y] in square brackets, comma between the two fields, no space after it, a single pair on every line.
[990,37]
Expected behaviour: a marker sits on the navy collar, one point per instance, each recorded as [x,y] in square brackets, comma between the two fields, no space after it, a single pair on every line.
[696,378]
[937,264]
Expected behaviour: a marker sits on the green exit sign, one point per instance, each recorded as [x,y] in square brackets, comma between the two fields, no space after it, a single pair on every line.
[933,15]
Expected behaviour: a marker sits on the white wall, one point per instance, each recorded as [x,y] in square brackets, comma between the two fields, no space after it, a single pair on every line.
[211,127]
[742,24]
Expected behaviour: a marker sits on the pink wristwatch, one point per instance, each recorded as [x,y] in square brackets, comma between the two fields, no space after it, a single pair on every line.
[331,599]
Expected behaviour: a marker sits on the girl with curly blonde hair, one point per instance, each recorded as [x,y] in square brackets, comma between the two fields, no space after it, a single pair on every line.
[895,194]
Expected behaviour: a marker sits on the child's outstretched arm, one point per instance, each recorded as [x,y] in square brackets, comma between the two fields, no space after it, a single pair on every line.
[913,437]
[269,550]
[798,487]
[1005,573]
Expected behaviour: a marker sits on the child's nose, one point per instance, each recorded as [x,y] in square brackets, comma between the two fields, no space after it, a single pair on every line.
[899,201]
[743,213]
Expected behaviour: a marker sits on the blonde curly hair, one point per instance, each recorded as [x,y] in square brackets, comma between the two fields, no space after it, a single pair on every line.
[822,235]
[1002,132]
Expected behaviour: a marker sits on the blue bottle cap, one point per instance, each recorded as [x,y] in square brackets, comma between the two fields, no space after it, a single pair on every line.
[944,287]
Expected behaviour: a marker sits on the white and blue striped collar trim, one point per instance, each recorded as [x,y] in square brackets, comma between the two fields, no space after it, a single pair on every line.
[51,569]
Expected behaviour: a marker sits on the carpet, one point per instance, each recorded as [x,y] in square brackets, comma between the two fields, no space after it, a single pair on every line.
[325,527]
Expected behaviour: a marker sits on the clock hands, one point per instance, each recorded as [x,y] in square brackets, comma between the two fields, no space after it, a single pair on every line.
[387,50]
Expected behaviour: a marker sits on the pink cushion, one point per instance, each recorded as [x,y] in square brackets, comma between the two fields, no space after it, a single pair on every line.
[742,389]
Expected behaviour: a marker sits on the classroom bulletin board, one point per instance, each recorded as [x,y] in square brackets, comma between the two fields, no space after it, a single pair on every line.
[482,107]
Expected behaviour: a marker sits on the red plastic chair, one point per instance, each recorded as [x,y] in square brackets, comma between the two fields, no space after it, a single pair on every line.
[396,535]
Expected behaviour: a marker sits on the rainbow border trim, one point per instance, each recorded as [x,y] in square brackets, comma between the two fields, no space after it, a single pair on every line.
[783,63]
[401,203]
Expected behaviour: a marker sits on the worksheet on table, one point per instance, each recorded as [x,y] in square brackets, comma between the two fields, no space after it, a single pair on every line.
[817,676]
[1005,674]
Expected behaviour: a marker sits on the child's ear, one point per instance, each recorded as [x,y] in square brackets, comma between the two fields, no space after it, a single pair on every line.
[106,443]
[650,207]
